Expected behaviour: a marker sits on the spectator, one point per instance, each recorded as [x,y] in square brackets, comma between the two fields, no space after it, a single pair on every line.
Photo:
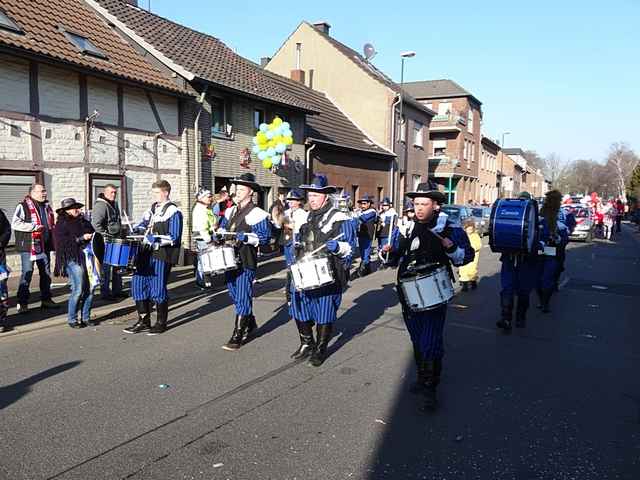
[105,219]
[619,214]
[224,201]
[203,223]
[5,235]
[72,234]
[33,224]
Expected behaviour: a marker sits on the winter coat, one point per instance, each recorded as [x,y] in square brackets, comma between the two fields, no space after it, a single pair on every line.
[105,217]
[469,272]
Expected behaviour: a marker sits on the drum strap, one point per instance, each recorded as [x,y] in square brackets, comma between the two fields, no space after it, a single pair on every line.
[239,216]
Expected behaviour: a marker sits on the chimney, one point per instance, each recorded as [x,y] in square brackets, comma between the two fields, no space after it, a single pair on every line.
[324,27]
[264,61]
[298,76]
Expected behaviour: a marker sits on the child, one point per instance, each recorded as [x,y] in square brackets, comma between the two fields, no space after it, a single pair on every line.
[469,273]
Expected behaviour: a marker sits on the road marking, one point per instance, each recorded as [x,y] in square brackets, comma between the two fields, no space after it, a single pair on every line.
[599,287]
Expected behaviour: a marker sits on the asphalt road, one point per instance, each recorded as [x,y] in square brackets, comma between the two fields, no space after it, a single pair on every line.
[558,400]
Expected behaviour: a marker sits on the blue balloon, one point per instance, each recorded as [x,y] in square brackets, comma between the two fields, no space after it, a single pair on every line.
[281,148]
[275,159]
[255,141]
[285,126]
[270,134]
[264,127]
[256,149]
[287,133]
[271,152]
[262,155]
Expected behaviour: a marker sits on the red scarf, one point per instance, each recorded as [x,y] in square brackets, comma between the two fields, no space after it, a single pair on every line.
[37,247]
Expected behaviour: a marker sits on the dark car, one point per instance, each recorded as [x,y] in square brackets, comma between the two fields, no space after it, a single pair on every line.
[459,213]
[482,215]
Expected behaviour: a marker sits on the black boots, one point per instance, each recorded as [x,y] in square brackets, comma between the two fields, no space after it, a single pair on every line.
[521,311]
[307,344]
[245,327]
[144,318]
[545,298]
[319,354]
[418,386]
[162,312]
[506,304]
[364,270]
[432,370]
[465,286]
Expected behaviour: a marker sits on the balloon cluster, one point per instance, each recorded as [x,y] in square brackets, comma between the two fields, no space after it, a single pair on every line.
[271,141]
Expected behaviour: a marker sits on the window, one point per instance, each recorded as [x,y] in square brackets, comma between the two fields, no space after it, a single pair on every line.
[97,184]
[417,179]
[380,194]
[418,134]
[439,148]
[7,24]
[258,118]
[355,193]
[218,125]
[403,129]
[470,120]
[444,108]
[14,185]
[85,45]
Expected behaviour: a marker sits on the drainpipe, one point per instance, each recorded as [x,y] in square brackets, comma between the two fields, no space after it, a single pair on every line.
[308,163]
[196,146]
[392,182]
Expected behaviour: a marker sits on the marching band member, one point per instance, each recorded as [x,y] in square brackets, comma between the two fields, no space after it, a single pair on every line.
[366,232]
[386,222]
[432,239]
[518,276]
[294,217]
[203,224]
[553,234]
[252,228]
[162,226]
[320,306]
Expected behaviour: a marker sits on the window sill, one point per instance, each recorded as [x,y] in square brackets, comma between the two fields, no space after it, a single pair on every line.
[419,147]
[222,136]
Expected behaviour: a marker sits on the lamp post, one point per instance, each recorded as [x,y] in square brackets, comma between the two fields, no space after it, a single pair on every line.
[403,55]
[502,163]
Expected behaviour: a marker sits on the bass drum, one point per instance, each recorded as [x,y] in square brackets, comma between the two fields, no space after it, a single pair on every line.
[513,226]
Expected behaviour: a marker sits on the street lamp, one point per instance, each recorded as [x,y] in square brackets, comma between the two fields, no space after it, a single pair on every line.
[403,55]
[502,163]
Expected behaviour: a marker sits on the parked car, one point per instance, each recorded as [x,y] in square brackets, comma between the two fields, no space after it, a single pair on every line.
[482,215]
[585,223]
[459,213]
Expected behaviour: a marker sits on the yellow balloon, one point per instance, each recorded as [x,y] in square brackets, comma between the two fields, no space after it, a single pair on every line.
[278,139]
[261,137]
[288,140]
[272,144]
[267,163]
[277,121]
[272,127]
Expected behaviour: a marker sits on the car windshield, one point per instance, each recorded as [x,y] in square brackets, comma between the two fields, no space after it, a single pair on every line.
[454,213]
[581,213]
[477,212]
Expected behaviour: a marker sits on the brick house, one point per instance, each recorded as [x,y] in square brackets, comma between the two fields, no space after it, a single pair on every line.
[367,97]
[455,135]
[488,171]
[520,172]
[80,107]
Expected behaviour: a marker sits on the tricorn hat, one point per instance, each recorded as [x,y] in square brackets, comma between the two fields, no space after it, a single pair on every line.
[295,194]
[366,198]
[248,180]
[319,184]
[386,201]
[68,203]
[428,190]
[408,206]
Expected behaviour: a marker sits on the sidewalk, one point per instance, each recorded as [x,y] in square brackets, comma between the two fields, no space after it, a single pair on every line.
[181,285]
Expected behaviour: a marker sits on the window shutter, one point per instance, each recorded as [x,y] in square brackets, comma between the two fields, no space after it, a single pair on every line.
[13,189]
[228,111]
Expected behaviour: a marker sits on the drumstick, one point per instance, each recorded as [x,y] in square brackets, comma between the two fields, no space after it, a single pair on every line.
[126,219]
[310,254]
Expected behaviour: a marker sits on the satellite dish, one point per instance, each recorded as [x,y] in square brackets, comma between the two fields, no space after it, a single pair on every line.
[369,51]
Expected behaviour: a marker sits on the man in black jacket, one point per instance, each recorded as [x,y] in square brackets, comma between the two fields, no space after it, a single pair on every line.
[105,218]
[5,235]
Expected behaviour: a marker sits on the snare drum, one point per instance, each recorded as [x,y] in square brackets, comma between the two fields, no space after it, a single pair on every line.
[426,291]
[513,226]
[216,259]
[311,273]
[121,252]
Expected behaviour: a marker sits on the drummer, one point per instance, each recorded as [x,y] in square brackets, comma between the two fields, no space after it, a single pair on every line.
[203,224]
[518,276]
[162,227]
[249,227]
[432,239]
[320,306]
[294,217]
[366,232]
[386,222]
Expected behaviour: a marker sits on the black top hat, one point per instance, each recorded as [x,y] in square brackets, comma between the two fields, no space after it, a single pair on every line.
[365,198]
[295,194]
[248,180]
[68,204]
[319,184]
[428,190]
[408,206]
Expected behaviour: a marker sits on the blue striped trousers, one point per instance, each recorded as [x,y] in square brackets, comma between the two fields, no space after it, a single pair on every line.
[149,282]
[319,306]
[365,249]
[240,285]
[426,330]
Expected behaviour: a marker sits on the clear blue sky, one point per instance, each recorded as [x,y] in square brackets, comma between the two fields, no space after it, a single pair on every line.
[562,76]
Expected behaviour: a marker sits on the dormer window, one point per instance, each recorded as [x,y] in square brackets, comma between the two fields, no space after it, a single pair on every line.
[85,45]
[7,23]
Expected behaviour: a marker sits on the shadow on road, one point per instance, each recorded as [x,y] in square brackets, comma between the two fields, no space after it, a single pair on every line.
[14,392]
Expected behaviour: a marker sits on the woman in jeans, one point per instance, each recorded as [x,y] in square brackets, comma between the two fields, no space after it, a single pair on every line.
[72,233]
